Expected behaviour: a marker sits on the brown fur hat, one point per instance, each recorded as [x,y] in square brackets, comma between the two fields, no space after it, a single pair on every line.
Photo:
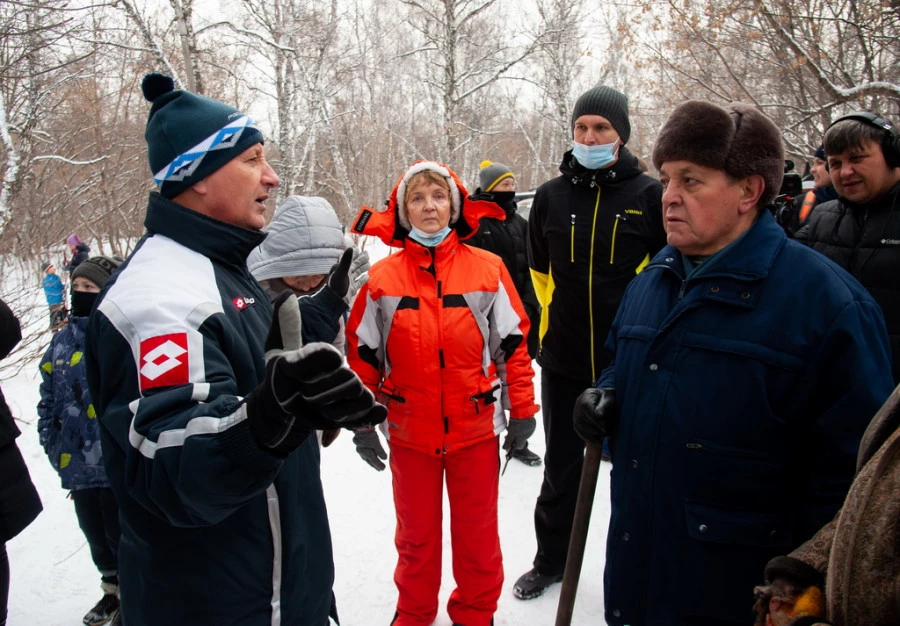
[739,140]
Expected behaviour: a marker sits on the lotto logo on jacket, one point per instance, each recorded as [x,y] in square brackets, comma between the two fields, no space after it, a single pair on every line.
[164,361]
[242,302]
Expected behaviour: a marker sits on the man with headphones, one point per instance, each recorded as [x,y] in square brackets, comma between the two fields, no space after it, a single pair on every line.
[860,231]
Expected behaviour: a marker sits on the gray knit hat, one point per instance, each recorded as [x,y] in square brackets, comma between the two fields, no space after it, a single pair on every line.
[605,101]
[492,174]
[189,136]
[305,238]
[97,269]
[739,140]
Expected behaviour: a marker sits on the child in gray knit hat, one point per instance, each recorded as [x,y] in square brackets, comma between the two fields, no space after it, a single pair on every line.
[305,242]
[305,249]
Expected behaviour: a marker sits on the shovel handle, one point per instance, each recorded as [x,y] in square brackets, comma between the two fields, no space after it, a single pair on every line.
[578,538]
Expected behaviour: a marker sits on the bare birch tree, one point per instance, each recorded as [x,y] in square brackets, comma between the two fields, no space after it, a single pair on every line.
[466,49]
[802,61]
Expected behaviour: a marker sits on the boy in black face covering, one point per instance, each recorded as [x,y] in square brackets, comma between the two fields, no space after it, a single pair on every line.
[507,239]
[70,434]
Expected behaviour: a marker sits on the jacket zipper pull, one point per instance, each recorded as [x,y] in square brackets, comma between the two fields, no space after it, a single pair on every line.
[572,242]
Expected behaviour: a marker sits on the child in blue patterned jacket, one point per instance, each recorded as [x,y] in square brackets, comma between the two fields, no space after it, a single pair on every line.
[70,434]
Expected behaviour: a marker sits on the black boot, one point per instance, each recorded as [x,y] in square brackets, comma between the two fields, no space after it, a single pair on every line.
[526,456]
[103,611]
[532,583]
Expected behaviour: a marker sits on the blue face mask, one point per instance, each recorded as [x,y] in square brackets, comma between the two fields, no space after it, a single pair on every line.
[429,240]
[595,157]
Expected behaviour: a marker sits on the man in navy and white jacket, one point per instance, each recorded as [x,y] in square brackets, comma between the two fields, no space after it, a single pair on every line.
[205,402]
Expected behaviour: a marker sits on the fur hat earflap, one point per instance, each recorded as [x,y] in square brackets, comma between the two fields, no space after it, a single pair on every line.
[739,140]
[457,191]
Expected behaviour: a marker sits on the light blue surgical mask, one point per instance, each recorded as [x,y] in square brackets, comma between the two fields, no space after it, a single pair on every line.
[596,157]
[429,240]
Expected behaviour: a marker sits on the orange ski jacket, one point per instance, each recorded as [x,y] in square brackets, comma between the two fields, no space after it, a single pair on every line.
[438,334]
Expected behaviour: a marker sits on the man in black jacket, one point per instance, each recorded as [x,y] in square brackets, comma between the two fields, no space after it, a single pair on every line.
[506,238]
[590,231]
[860,231]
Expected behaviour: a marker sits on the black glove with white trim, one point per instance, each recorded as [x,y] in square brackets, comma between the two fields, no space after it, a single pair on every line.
[306,388]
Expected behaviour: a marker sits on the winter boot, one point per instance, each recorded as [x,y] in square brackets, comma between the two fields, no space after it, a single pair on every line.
[526,456]
[103,611]
[117,619]
[532,583]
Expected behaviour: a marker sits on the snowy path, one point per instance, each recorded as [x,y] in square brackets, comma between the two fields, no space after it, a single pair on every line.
[54,581]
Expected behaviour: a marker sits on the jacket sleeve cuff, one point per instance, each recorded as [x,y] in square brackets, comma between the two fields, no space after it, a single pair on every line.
[520,413]
[240,446]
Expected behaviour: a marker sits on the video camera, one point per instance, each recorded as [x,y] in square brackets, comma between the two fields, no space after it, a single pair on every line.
[786,206]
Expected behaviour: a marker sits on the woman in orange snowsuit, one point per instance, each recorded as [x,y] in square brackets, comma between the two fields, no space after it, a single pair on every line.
[438,334]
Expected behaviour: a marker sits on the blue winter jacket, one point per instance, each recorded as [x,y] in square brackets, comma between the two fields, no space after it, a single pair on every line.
[53,289]
[742,395]
[67,422]
[215,530]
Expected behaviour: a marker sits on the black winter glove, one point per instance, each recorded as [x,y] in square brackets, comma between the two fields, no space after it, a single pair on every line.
[369,447]
[792,595]
[339,276]
[305,388]
[328,436]
[517,433]
[594,416]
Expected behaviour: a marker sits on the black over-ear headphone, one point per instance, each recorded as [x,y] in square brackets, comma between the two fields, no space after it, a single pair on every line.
[890,140]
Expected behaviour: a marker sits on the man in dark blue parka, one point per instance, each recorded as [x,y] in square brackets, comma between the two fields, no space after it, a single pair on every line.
[745,370]
[206,398]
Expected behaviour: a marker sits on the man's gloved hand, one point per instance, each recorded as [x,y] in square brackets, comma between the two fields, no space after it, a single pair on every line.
[305,388]
[339,276]
[359,269]
[517,433]
[328,436]
[594,416]
[369,447]
[792,594]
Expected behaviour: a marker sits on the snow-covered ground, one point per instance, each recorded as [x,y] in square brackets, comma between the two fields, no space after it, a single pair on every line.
[54,581]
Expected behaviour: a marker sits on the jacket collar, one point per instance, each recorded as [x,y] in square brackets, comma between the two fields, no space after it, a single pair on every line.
[886,201]
[425,257]
[624,168]
[210,237]
[750,259]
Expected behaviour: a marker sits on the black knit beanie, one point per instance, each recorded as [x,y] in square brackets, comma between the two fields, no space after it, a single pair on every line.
[491,174]
[739,140]
[97,269]
[605,101]
[189,136]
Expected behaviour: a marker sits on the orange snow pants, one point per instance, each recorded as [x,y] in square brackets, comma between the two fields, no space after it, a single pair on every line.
[473,478]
